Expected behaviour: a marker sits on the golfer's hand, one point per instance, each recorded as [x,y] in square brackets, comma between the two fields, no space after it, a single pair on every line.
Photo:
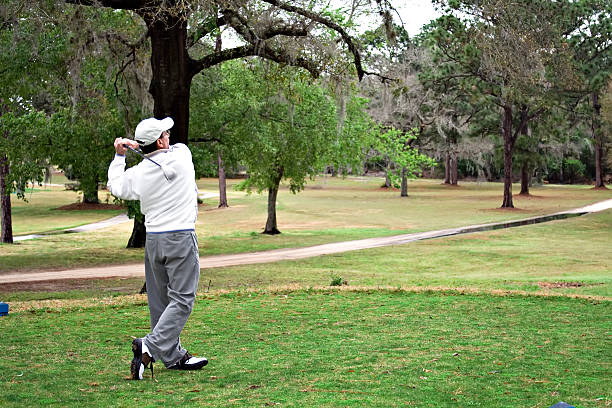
[120,149]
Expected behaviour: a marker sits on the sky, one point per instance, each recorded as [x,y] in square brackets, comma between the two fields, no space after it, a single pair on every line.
[415,14]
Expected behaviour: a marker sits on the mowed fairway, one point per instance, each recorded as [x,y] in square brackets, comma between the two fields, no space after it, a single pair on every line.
[329,210]
[517,317]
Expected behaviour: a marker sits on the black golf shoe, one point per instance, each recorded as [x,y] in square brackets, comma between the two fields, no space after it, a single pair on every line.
[141,360]
[189,362]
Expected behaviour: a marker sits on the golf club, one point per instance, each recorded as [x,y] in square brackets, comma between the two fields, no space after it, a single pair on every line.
[169,174]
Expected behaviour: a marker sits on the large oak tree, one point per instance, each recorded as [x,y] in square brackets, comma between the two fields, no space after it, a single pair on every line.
[295,33]
[306,34]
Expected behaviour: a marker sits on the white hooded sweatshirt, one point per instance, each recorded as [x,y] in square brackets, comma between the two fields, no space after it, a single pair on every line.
[167,205]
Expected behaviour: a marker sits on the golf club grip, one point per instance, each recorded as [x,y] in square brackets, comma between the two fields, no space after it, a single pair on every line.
[144,157]
[134,150]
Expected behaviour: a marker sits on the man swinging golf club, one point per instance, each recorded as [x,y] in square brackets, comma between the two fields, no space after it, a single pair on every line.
[165,185]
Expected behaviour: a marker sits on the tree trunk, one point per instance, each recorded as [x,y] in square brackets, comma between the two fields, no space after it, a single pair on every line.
[271,226]
[222,184]
[597,139]
[525,177]
[387,178]
[91,198]
[539,176]
[404,192]
[447,169]
[139,234]
[487,171]
[525,171]
[6,230]
[454,173]
[508,148]
[172,73]
[90,192]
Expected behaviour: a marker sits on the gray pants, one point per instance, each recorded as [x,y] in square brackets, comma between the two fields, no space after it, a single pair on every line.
[172,270]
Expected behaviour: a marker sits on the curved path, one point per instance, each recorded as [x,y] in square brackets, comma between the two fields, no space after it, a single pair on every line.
[137,270]
[119,219]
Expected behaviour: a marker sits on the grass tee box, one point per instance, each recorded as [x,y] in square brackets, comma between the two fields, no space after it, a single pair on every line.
[325,348]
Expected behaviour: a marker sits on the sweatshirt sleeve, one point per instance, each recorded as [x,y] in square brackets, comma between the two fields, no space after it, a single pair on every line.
[121,183]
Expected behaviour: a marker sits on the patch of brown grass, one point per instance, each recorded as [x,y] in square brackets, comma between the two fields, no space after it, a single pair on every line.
[67,304]
[505,209]
[559,285]
[532,197]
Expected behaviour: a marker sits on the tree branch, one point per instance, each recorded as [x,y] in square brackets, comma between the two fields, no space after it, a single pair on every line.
[241,25]
[116,4]
[261,50]
[328,23]
[205,29]
[206,140]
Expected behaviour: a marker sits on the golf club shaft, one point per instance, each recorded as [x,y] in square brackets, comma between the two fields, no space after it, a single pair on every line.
[141,155]
[148,158]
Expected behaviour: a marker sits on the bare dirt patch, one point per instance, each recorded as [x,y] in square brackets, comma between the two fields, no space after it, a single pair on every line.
[89,207]
[531,197]
[506,209]
[560,285]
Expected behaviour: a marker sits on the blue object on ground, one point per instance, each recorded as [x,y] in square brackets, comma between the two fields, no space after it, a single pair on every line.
[3,309]
[562,405]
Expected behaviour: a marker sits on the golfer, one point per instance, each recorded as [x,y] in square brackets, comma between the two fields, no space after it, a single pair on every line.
[172,265]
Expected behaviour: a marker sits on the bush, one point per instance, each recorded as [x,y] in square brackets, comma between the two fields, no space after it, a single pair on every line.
[573,170]
[337,281]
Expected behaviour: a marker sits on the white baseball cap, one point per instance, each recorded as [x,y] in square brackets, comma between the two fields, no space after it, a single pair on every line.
[149,130]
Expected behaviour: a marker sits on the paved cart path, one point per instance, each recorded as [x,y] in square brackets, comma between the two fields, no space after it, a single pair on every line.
[216,261]
[119,219]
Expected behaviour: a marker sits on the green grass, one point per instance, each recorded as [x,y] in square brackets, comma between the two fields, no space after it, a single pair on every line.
[485,319]
[321,348]
[41,213]
[329,210]
[575,250]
